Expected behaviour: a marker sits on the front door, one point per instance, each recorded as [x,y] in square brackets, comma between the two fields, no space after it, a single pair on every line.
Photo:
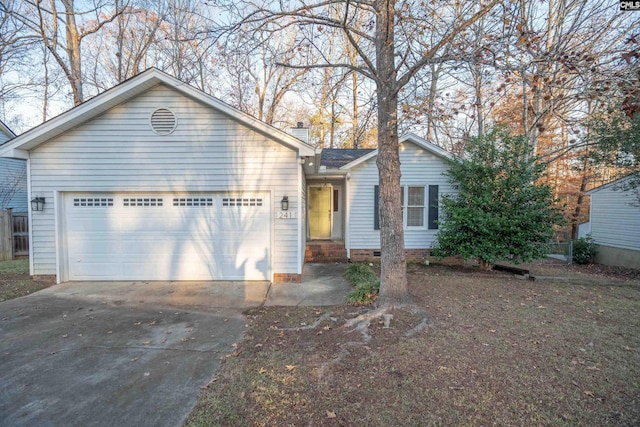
[320,212]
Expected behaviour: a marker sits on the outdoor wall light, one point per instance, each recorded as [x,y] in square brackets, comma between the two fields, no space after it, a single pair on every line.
[37,204]
[285,203]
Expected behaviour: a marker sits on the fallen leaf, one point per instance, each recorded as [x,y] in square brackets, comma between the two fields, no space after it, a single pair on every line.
[262,371]
[331,414]
[290,367]
[137,323]
[146,342]
[135,359]
[164,340]
[589,393]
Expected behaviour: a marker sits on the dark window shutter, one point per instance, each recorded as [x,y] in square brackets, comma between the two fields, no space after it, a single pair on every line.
[433,207]
[376,208]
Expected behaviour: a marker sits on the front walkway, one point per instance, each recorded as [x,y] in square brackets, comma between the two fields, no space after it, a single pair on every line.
[322,284]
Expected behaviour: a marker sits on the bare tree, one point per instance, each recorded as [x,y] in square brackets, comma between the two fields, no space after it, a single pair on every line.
[386,34]
[62,27]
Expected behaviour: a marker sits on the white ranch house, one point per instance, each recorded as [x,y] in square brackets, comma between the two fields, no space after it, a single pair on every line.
[156,180]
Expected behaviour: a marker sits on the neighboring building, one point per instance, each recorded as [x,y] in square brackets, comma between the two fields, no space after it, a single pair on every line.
[13,178]
[615,224]
[156,180]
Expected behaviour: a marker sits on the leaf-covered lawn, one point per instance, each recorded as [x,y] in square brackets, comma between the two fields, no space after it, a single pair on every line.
[500,351]
[15,281]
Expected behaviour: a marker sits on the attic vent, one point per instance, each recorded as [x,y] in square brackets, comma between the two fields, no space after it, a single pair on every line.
[163,121]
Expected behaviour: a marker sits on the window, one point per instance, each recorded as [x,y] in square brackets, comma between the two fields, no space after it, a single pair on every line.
[93,201]
[240,201]
[142,201]
[193,201]
[413,211]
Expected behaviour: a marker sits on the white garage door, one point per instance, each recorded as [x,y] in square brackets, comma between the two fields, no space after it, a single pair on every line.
[167,236]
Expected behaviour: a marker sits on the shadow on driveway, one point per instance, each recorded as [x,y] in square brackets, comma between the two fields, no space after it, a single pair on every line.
[74,361]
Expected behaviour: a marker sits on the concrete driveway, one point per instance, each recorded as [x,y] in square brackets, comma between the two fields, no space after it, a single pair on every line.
[70,360]
[130,353]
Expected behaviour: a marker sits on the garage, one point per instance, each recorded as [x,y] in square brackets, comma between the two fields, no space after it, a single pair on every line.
[165,236]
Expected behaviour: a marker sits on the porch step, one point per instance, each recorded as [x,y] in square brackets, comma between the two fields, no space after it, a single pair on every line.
[325,252]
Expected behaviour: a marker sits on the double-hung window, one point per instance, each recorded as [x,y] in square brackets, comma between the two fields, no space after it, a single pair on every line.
[419,206]
[413,204]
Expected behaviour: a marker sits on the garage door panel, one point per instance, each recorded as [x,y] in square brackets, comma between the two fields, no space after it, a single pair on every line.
[200,239]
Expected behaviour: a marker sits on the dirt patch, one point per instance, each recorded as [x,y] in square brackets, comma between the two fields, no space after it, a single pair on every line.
[15,280]
[498,351]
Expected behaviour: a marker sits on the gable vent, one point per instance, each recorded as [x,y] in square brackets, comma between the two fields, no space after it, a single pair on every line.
[163,121]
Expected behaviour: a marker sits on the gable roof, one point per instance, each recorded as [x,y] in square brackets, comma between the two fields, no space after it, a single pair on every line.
[613,183]
[335,158]
[409,137]
[127,90]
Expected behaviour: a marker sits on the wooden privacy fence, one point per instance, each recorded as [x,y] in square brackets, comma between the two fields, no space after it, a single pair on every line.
[14,235]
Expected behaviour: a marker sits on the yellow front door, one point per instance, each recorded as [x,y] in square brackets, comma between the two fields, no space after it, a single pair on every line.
[320,212]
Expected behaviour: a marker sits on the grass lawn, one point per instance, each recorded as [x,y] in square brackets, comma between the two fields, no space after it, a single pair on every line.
[499,351]
[15,281]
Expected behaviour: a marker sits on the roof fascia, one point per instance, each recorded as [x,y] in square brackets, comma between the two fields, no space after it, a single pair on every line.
[410,137]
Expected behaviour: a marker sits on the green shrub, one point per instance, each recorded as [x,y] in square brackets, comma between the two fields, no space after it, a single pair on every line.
[365,293]
[584,250]
[365,282]
[358,272]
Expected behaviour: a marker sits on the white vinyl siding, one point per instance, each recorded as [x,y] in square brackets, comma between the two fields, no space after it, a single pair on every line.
[207,152]
[615,221]
[419,168]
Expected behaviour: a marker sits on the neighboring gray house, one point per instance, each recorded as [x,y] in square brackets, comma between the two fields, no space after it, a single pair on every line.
[13,178]
[615,224]
[156,180]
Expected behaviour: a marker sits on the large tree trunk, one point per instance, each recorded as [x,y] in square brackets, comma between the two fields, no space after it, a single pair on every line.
[393,278]
[74,73]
